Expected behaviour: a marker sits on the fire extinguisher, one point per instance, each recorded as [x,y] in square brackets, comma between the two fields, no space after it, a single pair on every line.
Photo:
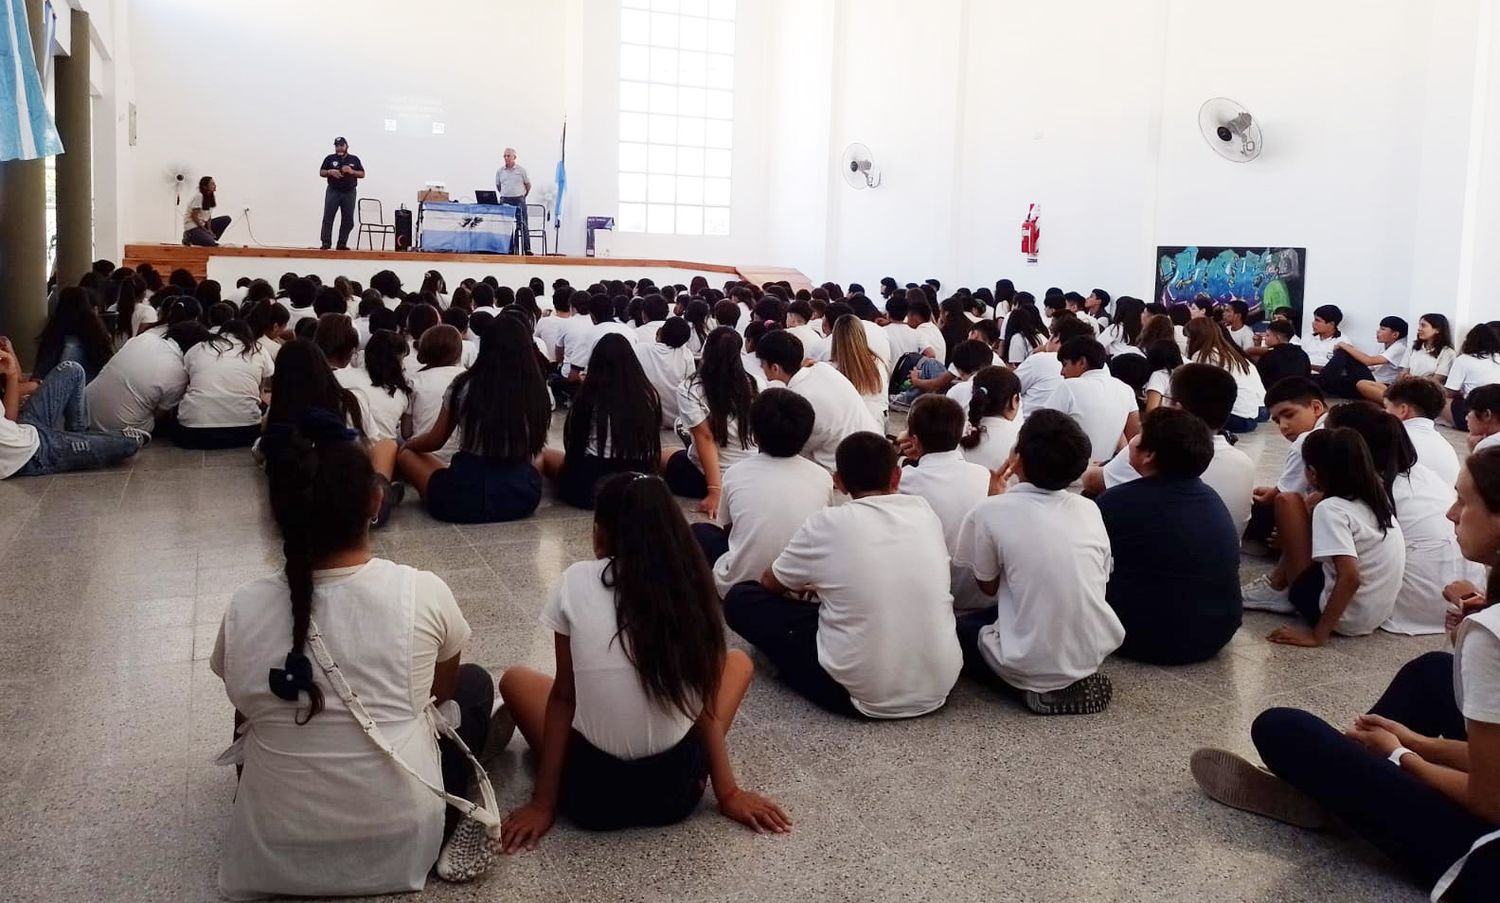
[1031,233]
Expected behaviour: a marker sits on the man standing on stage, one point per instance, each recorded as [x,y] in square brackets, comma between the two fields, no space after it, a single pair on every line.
[512,184]
[343,172]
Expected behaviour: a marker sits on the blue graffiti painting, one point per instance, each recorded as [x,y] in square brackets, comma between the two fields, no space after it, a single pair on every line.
[1265,278]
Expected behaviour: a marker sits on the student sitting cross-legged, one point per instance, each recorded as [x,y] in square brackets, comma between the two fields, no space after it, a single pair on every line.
[1176,579]
[768,495]
[1418,403]
[634,725]
[1051,627]
[50,432]
[1103,406]
[870,631]
[1297,408]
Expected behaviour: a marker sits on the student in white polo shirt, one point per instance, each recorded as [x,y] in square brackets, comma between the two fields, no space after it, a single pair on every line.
[1041,373]
[839,410]
[144,380]
[768,495]
[1417,403]
[1483,418]
[1103,406]
[1324,337]
[1051,626]
[877,640]
[950,484]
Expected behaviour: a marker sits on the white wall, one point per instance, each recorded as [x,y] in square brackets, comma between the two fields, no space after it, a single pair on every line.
[271,82]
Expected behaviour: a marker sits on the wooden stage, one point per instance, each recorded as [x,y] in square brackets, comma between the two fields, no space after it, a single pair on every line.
[234,261]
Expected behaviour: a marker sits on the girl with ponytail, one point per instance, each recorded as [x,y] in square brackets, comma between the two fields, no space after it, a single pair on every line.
[994,417]
[319,810]
[633,727]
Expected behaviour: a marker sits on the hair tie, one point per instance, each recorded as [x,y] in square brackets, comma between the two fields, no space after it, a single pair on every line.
[981,390]
[295,678]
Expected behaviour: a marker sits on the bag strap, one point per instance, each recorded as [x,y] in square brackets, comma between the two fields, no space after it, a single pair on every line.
[1456,868]
[487,814]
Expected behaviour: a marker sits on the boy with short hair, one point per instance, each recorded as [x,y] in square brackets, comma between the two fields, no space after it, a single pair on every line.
[1281,357]
[1418,402]
[1235,317]
[1297,408]
[1040,374]
[1483,418]
[1104,407]
[969,357]
[1051,626]
[950,484]
[768,495]
[839,411]
[878,640]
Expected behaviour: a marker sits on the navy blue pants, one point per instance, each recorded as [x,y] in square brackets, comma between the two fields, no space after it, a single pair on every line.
[786,632]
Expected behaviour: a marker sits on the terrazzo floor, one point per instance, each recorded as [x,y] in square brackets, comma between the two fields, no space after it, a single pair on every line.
[112,585]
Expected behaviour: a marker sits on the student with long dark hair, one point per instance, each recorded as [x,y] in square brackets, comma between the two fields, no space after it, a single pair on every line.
[500,411]
[381,383]
[1208,343]
[199,225]
[395,633]
[1023,335]
[1477,364]
[1417,776]
[1432,352]
[714,408]
[1162,359]
[993,417]
[697,314]
[74,332]
[132,313]
[634,725]
[1122,333]
[612,426]
[226,376]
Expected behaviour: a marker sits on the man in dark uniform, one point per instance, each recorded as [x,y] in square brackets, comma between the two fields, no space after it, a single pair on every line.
[343,172]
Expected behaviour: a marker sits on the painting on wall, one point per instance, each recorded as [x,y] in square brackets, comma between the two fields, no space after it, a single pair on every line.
[1267,279]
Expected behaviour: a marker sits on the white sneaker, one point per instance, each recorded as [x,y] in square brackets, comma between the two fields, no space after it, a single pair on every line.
[1260,595]
[141,437]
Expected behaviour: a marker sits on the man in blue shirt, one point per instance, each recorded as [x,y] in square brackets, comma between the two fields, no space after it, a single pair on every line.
[343,172]
[1175,584]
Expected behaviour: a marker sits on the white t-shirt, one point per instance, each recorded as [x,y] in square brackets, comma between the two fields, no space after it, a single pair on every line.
[1433,558]
[903,339]
[145,376]
[693,405]
[1243,337]
[223,384]
[1100,404]
[1250,392]
[612,710]
[1115,342]
[808,336]
[1319,350]
[1420,362]
[575,339]
[1160,382]
[962,392]
[429,391]
[765,501]
[1476,666]
[18,442]
[952,486]
[1231,474]
[550,330]
[1395,355]
[838,411]
[876,338]
[382,409]
[578,353]
[1433,451]
[930,336]
[1019,350]
[995,446]
[1341,527]
[667,368]
[1294,472]
[885,618]
[1471,371]
[1488,442]
[195,203]
[1040,375]
[1053,626]
[645,334]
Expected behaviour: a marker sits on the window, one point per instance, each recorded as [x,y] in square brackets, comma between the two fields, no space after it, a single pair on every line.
[676,115]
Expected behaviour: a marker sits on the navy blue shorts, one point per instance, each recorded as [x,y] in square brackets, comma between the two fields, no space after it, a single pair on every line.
[473,490]
[601,792]
[580,477]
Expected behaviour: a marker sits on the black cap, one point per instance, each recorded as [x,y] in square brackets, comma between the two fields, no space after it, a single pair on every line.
[340,140]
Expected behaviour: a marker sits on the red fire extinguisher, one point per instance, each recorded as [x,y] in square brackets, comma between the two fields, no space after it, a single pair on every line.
[1031,233]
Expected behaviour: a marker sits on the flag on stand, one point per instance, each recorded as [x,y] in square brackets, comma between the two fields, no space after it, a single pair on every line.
[562,183]
[26,129]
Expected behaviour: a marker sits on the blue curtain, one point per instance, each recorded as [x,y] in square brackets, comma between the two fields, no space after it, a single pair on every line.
[26,129]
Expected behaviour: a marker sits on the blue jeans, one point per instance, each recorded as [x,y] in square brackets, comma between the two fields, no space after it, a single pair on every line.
[59,402]
[929,368]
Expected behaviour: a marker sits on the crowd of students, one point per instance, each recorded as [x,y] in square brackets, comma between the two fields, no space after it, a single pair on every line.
[1066,488]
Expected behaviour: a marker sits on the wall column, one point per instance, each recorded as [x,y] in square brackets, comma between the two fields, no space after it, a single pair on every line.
[75,170]
[23,233]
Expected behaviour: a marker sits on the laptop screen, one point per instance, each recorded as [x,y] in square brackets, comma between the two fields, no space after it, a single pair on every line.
[483,196]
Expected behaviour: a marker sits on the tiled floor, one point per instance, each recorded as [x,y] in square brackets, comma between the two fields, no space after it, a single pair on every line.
[113,584]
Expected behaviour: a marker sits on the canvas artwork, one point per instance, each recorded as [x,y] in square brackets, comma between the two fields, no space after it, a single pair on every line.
[1267,279]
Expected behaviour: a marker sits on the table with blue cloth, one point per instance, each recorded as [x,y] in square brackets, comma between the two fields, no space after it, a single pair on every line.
[466,228]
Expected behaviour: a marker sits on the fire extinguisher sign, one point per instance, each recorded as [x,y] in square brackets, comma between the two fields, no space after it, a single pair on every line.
[1031,233]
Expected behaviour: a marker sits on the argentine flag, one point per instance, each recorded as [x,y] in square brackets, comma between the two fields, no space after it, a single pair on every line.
[26,129]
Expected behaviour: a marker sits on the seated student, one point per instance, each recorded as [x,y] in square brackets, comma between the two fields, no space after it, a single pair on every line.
[1352,373]
[634,724]
[1477,364]
[993,417]
[1024,335]
[875,639]
[1432,352]
[667,363]
[396,634]
[1416,776]
[729,314]
[1356,552]
[798,313]
[696,313]
[222,405]
[1281,357]
[438,354]
[613,425]
[1209,344]
[299,300]
[143,381]
[379,381]
[73,332]
[1236,317]
[1422,500]
[1324,339]
[715,415]
[850,353]
[1297,408]
[839,411]
[1417,403]
[1207,392]
[1162,360]
[914,332]
[1040,374]
[768,495]
[1103,406]
[969,357]
[654,312]
[1483,418]
[951,485]
[51,432]
[1176,549]
[1051,627]
[579,351]
[1121,335]
[498,411]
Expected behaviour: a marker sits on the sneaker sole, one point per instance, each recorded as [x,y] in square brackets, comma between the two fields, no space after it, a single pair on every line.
[1089,696]
[1226,778]
[1275,608]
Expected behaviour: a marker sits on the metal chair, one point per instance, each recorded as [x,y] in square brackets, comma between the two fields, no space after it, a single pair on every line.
[377,226]
[537,217]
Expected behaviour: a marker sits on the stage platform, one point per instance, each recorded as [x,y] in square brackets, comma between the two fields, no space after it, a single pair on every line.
[228,263]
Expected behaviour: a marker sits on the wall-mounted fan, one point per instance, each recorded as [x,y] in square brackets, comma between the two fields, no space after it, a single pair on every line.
[177,177]
[858,166]
[1230,130]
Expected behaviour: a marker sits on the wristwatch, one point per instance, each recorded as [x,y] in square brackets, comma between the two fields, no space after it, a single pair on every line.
[1396,755]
